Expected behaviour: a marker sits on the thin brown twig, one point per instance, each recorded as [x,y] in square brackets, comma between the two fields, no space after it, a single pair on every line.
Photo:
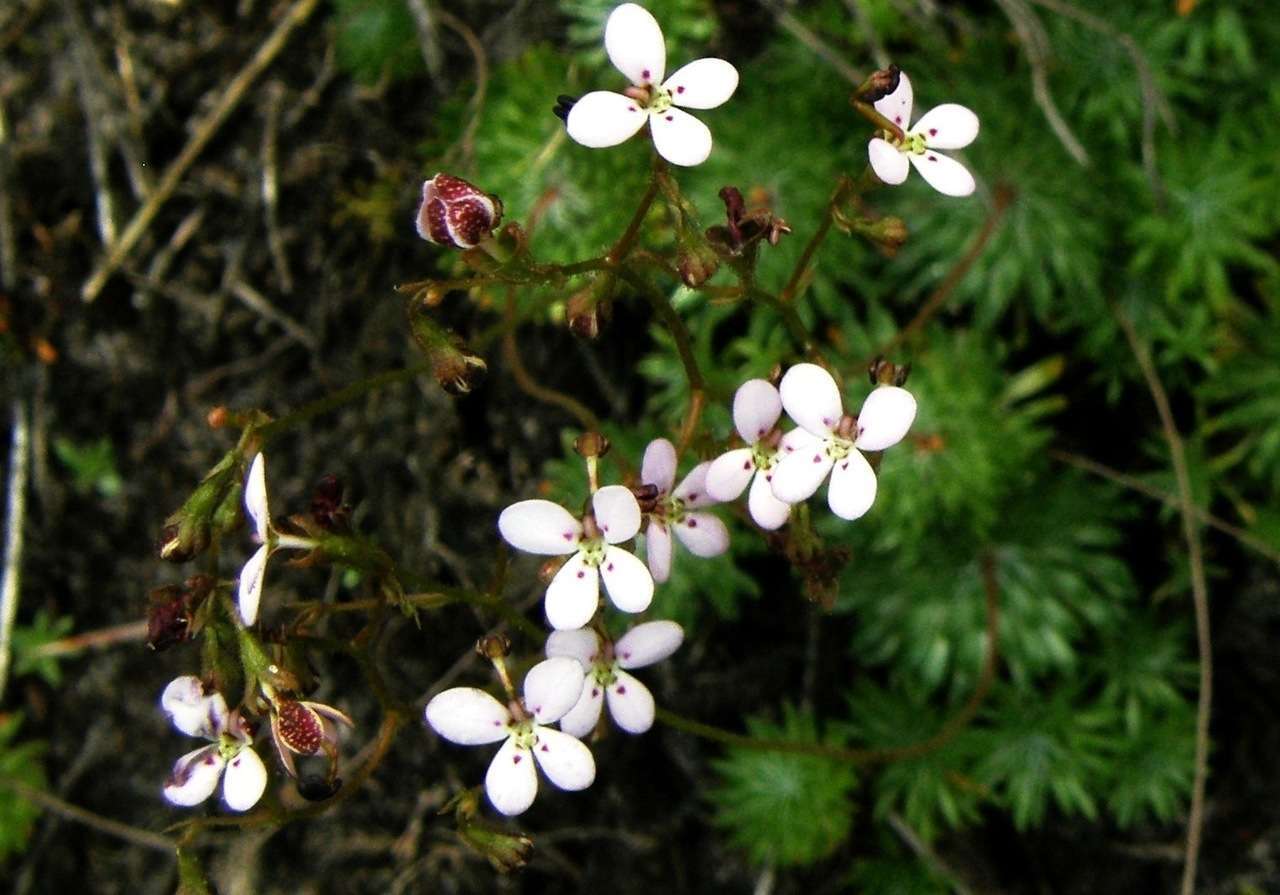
[933,304]
[467,143]
[511,351]
[1153,100]
[820,47]
[792,288]
[129,632]
[1133,483]
[1036,45]
[1199,593]
[114,828]
[202,134]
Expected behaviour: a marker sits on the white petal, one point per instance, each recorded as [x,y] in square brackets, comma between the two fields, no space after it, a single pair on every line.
[885,417]
[729,473]
[617,513]
[658,467]
[889,163]
[564,759]
[630,703]
[944,174]
[633,40]
[582,644]
[511,781]
[249,589]
[468,716]
[194,777]
[628,582]
[798,475]
[811,398]
[756,408]
[692,491]
[798,440]
[580,720]
[680,138]
[255,496]
[552,687]
[703,534]
[244,781]
[897,105]
[648,643]
[769,512]
[602,118]
[657,551]
[948,126]
[191,710]
[540,526]
[702,84]
[853,487]
[573,595]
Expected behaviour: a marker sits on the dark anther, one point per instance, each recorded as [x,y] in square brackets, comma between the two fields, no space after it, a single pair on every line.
[315,788]
[564,102]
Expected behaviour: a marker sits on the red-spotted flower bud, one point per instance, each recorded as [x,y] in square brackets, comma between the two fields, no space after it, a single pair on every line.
[455,213]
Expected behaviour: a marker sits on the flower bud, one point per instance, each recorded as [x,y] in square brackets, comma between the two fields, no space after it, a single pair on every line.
[879,84]
[493,646]
[506,851]
[696,263]
[591,444]
[455,213]
[168,618]
[453,365]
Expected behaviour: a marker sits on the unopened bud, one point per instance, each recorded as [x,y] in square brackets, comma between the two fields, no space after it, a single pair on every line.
[217,417]
[452,363]
[327,508]
[591,444]
[506,851]
[168,618]
[455,213]
[696,264]
[315,788]
[884,372]
[879,84]
[646,496]
[493,646]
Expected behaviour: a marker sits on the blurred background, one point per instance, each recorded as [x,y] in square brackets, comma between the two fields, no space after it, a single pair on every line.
[260,163]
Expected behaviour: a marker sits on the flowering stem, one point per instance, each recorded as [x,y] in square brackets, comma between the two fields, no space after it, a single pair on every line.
[869,112]
[628,237]
[511,350]
[790,290]
[790,319]
[684,347]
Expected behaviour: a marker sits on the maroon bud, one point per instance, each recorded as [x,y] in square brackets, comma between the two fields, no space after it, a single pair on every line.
[880,84]
[327,508]
[646,496]
[168,618]
[299,727]
[455,213]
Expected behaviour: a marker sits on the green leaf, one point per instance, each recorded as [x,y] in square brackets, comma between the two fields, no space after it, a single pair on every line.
[28,639]
[92,465]
[20,762]
[784,809]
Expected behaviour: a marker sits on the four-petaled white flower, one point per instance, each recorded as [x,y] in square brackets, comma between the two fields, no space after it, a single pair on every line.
[634,43]
[948,126]
[828,441]
[756,408]
[249,591]
[471,717]
[630,701]
[546,528]
[195,775]
[702,533]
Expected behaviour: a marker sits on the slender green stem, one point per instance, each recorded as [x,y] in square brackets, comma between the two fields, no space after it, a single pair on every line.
[337,399]
[790,319]
[790,290]
[869,112]
[628,237]
[63,808]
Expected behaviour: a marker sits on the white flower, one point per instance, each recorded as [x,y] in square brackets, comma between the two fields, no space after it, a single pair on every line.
[471,717]
[827,442]
[630,701]
[702,533]
[249,590]
[634,43]
[195,775]
[948,126]
[540,526]
[756,408]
